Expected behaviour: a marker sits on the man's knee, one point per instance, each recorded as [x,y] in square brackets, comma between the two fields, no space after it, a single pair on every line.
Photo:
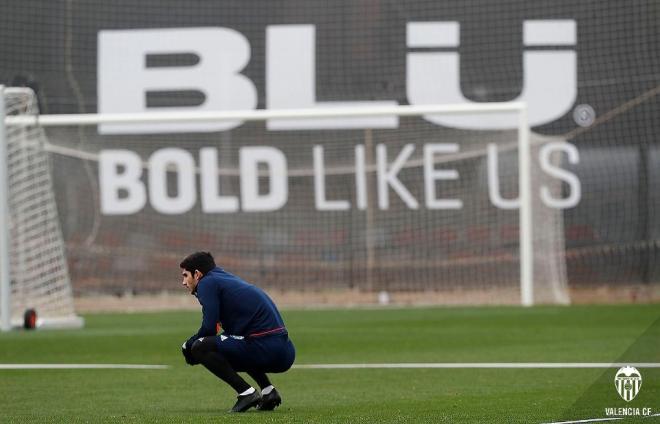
[203,346]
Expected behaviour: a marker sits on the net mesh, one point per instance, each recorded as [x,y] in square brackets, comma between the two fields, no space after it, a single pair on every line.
[384,237]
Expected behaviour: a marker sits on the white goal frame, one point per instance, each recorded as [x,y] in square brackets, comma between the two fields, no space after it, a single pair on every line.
[5,278]
[523,141]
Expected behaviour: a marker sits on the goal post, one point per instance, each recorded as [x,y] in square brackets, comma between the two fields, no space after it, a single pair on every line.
[380,237]
[525,210]
[5,281]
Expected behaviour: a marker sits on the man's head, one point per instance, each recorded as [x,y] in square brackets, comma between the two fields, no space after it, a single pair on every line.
[194,267]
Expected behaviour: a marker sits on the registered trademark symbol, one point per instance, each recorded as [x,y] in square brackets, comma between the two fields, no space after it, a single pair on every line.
[584,115]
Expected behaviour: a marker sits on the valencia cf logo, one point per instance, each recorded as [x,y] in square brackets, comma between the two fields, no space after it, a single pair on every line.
[628,382]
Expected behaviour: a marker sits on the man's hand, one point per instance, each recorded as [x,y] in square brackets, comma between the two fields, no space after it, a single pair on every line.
[185,349]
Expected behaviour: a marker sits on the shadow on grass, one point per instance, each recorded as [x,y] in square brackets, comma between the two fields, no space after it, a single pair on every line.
[601,399]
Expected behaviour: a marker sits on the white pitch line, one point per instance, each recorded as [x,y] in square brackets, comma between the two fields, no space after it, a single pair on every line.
[598,420]
[592,420]
[482,365]
[80,366]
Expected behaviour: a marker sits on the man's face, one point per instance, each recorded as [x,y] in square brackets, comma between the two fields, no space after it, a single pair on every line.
[190,280]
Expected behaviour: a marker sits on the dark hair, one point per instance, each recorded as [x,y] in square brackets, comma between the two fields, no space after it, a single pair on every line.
[201,261]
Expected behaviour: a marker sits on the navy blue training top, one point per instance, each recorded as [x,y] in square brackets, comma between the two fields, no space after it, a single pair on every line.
[241,308]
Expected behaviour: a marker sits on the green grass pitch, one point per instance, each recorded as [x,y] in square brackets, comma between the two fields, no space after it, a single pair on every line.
[390,335]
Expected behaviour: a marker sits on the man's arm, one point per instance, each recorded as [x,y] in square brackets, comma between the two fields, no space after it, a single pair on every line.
[208,297]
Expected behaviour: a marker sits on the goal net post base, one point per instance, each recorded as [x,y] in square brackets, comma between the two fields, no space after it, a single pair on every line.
[52,323]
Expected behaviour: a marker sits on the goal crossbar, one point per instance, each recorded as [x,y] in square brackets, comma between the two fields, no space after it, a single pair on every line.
[262,114]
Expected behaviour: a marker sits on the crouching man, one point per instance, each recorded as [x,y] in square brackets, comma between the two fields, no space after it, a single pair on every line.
[254,339]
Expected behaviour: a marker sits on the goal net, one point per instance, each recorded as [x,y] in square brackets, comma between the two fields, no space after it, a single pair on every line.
[39,276]
[393,209]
